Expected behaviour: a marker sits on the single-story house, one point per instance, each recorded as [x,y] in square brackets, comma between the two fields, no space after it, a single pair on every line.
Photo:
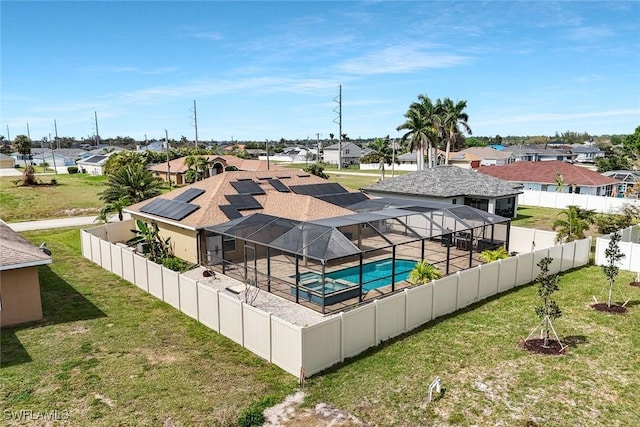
[450,184]
[93,165]
[176,169]
[351,154]
[182,214]
[544,176]
[586,154]
[7,162]
[20,291]
[474,157]
[539,153]
[411,158]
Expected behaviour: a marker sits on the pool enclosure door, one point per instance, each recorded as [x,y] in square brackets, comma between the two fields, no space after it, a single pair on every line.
[250,265]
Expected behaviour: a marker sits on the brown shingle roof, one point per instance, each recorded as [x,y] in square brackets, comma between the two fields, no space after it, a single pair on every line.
[546,173]
[17,252]
[286,205]
[251,165]
[178,166]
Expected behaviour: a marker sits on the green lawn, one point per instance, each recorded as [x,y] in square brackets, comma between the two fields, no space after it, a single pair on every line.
[488,379]
[74,195]
[535,217]
[109,354]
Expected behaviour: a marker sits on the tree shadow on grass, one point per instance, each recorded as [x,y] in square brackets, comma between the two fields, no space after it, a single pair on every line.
[61,303]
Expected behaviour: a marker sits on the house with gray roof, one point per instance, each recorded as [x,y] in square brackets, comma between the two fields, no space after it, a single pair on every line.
[586,154]
[539,153]
[450,184]
[20,291]
[351,154]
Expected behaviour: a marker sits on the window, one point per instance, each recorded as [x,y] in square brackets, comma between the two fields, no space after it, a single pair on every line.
[346,151]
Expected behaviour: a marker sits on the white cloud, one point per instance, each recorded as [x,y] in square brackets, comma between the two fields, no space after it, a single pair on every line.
[555,117]
[401,59]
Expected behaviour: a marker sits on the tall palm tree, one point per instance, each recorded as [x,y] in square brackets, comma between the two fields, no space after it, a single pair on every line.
[22,145]
[420,128]
[572,223]
[133,182]
[452,121]
[382,150]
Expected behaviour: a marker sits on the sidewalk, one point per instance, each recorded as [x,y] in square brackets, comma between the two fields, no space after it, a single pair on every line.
[46,224]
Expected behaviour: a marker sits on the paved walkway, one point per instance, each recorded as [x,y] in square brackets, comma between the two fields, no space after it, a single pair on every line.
[46,224]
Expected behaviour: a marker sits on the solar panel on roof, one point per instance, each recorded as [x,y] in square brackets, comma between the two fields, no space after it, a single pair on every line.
[244,179]
[283,176]
[304,175]
[230,212]
[189,195]
[278,185]
[247,187]
[318,189]
[263,178]
[170,209]
[344,199]
[243,201]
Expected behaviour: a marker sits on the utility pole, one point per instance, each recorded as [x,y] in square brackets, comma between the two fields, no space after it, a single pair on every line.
[267,146]
[95,114]
[306,156]
[53,155]
[195,121]
[8,135]
[318,145]
[338,110]
[55,126]
[28,132]
[166,141]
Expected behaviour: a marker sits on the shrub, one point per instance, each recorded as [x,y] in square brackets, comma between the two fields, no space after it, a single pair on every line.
[54,181]
[494,255]
[423,273]
[175,264]
[72,169]
[253,415]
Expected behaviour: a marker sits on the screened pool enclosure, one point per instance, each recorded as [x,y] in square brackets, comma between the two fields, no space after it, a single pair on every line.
[334,263]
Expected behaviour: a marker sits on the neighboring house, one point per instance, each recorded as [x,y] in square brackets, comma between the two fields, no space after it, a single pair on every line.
[586,154]
[411,158]
[176,169]
[93,165]
[538,153]
[629,182]
[7,162]
[251,165]
[52,159]
[183,214]
[454,185]
[20,291]
[351,154]
[474,157]
[102,150]
[543,176]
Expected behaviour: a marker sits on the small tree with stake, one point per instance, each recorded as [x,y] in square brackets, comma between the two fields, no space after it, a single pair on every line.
[549,310]
[613,255]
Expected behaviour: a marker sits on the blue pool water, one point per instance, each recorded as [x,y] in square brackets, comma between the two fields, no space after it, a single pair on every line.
[375,274]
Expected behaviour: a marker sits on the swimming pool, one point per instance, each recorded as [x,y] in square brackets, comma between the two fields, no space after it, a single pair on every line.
[375,274]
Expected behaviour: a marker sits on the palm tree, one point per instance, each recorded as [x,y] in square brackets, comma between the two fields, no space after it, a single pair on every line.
[423,273]
[451,117]
[491,255]
[22,145]
[202,166]
[116,206]
[382,150]
[420,128]
[572,223]
[133,182]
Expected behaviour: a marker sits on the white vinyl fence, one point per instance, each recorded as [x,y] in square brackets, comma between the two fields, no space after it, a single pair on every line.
[313,348]
[629,245]
[552,199]
[524,240]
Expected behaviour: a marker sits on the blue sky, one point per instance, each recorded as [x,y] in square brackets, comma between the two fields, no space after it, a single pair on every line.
[271,70]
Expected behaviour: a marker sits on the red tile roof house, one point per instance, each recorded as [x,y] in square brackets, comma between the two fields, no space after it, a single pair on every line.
[543,176]
[20,284]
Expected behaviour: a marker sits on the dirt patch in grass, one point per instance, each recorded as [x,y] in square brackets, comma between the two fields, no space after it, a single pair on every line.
[536,345]
[290,414]
[635,284]
[614,309]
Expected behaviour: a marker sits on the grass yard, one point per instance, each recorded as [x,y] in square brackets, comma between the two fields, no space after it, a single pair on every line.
[75,194]
[488,380]
[535,217]
[354,182]
[109,354]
